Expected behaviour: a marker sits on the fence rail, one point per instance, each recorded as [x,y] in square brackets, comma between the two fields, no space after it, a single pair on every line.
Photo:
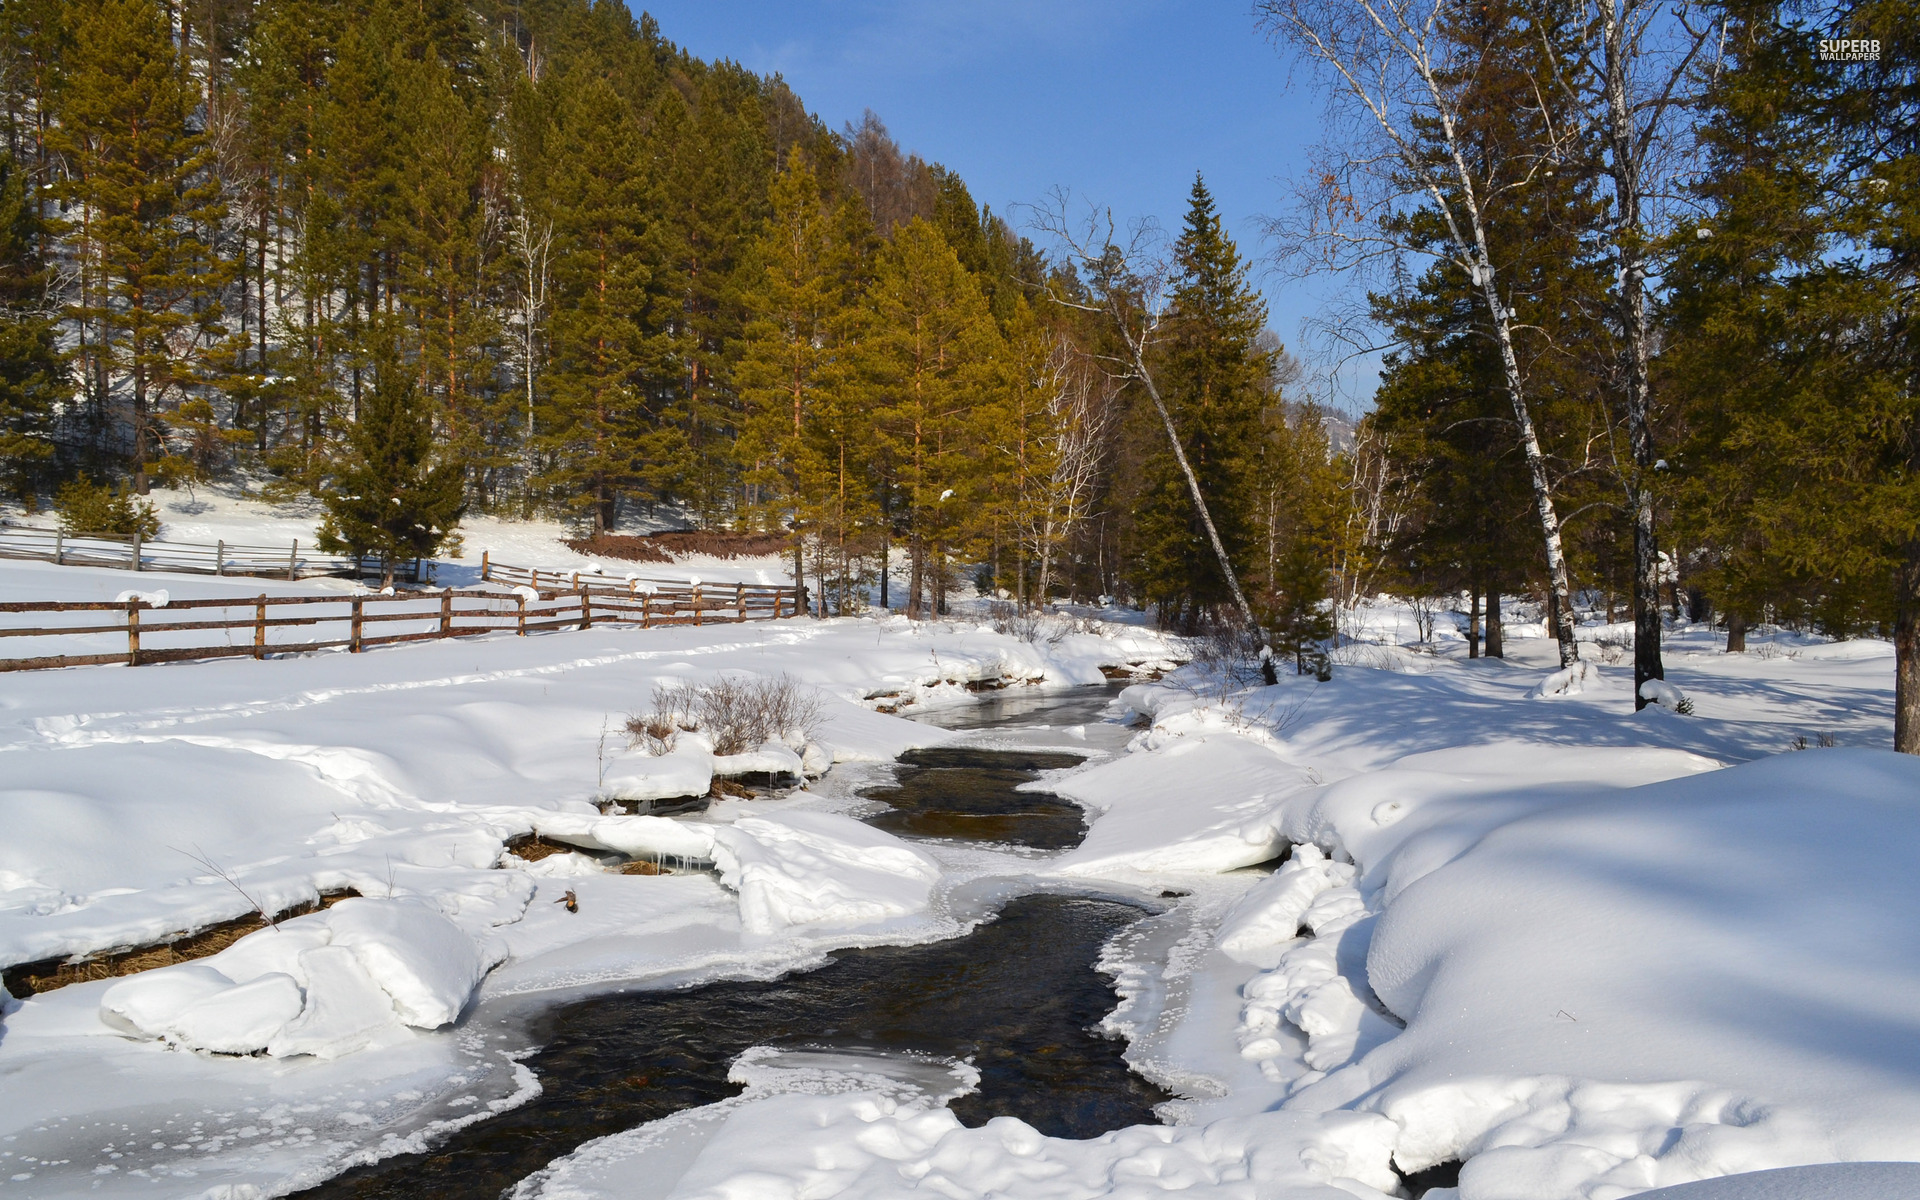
[132,553]
[257,627]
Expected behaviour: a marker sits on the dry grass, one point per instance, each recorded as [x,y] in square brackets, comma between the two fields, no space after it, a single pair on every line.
[738,714]
[28,979]
[621,546]
[664,547]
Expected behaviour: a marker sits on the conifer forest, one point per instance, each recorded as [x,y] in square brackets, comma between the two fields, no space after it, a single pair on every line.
[1642,278]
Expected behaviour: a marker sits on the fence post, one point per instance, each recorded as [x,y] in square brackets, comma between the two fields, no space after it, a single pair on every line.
[586,606]
[260,626]
[486,568]
[535,573]
[696,606]
[220,557]
[133,633]
[646,610]
[740,600]
[353,639]
[446,613]
[59,547]
[293,559]
[136,549]
[522,598]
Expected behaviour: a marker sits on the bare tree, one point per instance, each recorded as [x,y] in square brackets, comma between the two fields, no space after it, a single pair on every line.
[1398,142]
[533,246]
[1080,406]
[1632,74]
[1371,514]
[1129,276]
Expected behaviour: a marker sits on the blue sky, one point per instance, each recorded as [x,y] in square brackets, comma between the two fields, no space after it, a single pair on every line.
[1119,100]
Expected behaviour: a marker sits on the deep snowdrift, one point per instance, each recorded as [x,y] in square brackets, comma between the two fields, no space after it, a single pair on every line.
[1520,925]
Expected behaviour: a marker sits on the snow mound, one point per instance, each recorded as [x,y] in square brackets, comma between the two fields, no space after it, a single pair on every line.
[1269,915]
[326,984]
[1666,695]
[1827,1181]
[1570,680]
[1724,958]
[813,868]
[685,772]
[1207,803]
[157,599]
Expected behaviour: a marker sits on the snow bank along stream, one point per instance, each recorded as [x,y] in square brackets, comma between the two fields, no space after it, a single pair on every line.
[1583,952]
[1018,1000]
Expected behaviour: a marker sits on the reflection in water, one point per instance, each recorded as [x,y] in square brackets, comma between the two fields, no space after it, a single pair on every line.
[972,795]
[1018,998]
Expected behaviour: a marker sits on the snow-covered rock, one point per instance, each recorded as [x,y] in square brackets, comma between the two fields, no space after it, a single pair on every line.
[812,868]
[323,984]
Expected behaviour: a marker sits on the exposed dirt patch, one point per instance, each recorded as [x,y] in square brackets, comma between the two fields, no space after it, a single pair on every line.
[28,979]
[531,847]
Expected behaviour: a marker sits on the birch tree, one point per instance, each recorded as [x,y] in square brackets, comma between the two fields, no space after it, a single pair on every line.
[1399,120]
[1633,71]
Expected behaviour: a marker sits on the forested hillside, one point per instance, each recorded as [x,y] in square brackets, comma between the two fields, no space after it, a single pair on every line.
[617,280]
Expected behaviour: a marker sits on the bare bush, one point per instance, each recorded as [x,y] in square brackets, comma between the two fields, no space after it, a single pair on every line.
[736,713]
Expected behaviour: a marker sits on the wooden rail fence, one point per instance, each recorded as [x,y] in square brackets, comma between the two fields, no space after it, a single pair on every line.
[250,626]
[132,553]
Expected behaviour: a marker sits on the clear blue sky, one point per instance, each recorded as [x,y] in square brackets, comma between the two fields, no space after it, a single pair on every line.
[1119,100]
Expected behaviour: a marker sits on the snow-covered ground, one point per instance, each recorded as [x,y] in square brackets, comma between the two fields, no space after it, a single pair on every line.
[1587,952]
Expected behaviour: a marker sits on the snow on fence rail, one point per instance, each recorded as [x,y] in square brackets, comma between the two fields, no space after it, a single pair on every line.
[133,553]
[142,631]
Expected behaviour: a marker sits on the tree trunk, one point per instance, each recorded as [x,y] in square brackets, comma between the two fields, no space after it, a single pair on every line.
[1560,584]
[1496,639]
[1906,653]
[1473,623]
[1736,632]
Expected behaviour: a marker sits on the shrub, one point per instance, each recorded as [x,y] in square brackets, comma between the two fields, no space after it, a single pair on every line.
[737,714]
[88,507]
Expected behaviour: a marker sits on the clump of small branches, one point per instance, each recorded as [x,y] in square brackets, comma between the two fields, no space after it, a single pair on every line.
[736,713]
[1227,648]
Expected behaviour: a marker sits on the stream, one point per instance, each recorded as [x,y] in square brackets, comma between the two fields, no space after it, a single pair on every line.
[1018,997]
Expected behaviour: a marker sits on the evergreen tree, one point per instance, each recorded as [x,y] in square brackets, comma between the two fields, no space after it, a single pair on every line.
[450,257]
[929,354]
[392,495]
[139,175]
[1211,376]
[594,429]
[798,293]
[32,369]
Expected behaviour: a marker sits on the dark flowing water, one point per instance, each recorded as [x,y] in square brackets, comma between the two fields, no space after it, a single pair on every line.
[972,795]
[1024,708]
[1018,997]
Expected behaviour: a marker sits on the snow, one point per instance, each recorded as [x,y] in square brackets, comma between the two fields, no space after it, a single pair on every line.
[804,868]
[1589,952]
[324,984]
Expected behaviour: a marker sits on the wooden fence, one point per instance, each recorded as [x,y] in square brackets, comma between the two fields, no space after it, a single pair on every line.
[133,553]
[256,627]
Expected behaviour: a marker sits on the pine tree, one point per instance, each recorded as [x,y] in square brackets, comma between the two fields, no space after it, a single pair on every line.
[929,354]
[796,290]
[146,197]
[392,495]
[32,369]
[450,258]
[593,428]
[1210,374]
